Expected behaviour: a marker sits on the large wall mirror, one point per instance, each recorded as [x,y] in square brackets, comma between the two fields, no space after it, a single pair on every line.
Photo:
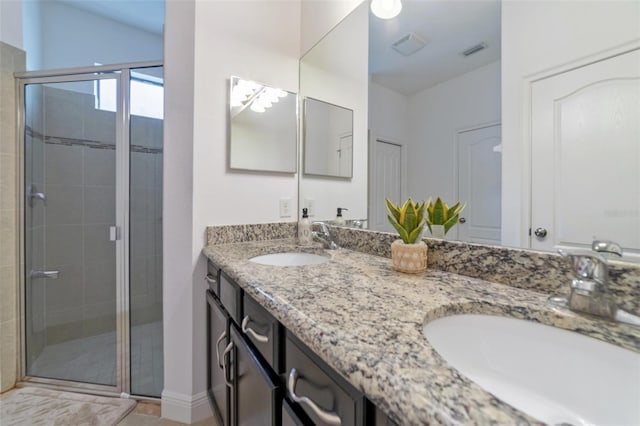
[436,111]
[328,139]
[264,129]
[334,89]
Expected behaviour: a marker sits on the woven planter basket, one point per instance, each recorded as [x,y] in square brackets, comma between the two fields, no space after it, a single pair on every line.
[409,258]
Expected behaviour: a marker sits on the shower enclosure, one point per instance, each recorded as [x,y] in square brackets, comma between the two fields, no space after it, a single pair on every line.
[92,228]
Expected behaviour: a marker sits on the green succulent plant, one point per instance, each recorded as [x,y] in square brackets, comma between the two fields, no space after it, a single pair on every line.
[438,213]
[408,220]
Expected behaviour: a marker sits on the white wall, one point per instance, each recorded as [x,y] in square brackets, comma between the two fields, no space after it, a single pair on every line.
[319,17]
[257,40]
[435,116]
[183,318]
[388,114]
[61,36]
[11,23]
[537,36]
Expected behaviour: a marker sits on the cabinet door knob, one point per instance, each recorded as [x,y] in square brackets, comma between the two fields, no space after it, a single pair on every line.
[325,416]
[247,330]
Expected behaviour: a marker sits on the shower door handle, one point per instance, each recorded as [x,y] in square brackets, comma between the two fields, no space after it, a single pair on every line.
[114,233]
[50,275]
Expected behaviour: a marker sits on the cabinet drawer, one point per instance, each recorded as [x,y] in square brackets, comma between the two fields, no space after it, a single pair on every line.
[263,330]
[212,278]
[230,296]
[330,400]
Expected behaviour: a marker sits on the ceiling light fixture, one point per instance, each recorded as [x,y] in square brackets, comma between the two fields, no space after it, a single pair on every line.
[386,9]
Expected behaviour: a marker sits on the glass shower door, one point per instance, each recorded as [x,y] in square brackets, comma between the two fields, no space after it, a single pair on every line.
[70,236]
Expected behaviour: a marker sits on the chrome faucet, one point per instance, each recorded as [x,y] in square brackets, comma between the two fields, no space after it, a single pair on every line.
[589,287]
[324,236]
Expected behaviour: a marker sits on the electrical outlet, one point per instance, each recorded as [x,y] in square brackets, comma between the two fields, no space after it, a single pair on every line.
[285,207]
[310,204]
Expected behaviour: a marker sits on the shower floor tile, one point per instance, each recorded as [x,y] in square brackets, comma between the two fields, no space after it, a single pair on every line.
[93,360]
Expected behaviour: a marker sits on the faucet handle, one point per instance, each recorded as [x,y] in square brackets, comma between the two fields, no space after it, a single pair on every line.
[605,246]
[588,265]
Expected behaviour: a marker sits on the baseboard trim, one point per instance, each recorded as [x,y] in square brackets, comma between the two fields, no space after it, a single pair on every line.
[185,408]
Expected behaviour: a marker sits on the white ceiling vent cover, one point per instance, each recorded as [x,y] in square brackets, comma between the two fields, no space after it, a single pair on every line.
[409,44]
[474,49]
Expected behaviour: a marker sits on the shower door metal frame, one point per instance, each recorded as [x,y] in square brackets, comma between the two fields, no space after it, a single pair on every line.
[122,74]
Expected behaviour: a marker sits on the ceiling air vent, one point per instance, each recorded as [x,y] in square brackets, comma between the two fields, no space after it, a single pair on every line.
[474,49]
[409,44]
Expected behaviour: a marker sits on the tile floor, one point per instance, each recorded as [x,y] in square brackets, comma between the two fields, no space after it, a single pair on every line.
[148,414]
[92,360]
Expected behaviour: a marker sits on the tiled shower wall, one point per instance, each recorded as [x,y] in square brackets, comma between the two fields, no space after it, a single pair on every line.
[11,59]
[71,147]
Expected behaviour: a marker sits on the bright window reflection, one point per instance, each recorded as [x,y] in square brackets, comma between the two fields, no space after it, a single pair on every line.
[146,94]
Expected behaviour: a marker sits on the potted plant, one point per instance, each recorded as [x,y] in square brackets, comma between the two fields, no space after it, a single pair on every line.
[441,218]
[408,254]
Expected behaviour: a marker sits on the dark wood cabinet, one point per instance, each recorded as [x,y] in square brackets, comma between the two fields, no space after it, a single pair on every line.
[264,331]
[259,374]
[325,397]
[256,389]
[217,372]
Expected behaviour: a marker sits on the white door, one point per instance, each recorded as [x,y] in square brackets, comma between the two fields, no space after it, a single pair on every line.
[386,179]
[586,156]
[345,155]
[479,184]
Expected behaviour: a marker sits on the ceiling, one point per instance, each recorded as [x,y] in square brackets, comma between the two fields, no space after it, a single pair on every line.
[147,15]
[449,27]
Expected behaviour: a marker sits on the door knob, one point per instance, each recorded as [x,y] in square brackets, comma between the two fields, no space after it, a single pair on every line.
[540,233]
[463,220]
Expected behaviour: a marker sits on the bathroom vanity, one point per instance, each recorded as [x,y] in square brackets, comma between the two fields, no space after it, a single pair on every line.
[348,334]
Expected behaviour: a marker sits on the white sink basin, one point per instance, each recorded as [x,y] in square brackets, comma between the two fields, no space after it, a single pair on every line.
[551,374]
[289,259]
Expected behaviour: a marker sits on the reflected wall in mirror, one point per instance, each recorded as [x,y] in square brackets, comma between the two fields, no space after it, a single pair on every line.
[328,139]
[263,129]
[334,71]
[434,112]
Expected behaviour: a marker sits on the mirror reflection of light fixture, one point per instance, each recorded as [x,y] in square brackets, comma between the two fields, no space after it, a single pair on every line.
[245,93]
[386,9]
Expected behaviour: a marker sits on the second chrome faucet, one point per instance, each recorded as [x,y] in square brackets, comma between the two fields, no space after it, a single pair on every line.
[324,236]
[589,288]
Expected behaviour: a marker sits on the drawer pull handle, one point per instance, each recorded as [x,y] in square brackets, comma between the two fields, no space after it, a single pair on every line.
[246,330]
[325,416]
[222,336]
[210,279]
[224,364]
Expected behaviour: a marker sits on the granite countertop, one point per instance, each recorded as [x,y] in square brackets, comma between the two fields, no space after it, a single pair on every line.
[365,320]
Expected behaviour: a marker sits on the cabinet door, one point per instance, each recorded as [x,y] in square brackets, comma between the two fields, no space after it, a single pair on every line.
[217,340]
[257,395]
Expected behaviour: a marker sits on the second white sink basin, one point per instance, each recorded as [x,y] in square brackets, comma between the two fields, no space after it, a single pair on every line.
[554,375]
[289,259]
